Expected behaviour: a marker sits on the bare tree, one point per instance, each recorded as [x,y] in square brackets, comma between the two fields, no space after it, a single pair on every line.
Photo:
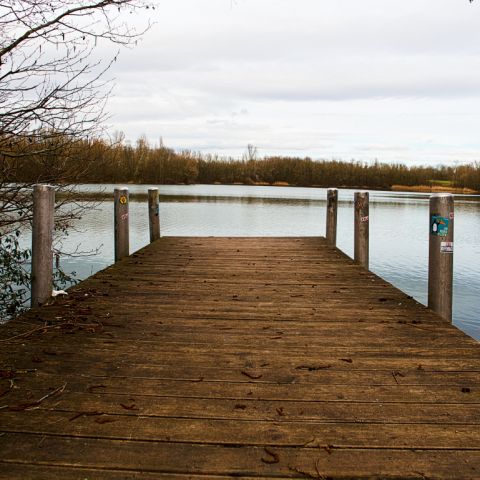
[52,110]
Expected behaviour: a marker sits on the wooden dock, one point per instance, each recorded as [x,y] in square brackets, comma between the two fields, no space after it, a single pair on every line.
[238,357]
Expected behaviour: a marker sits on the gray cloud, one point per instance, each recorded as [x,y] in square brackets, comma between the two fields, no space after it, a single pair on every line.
[343,78]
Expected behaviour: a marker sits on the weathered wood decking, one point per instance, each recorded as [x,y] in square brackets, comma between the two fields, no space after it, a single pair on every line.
[189,357]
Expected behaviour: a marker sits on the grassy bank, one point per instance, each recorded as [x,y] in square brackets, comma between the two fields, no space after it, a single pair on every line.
[433,189]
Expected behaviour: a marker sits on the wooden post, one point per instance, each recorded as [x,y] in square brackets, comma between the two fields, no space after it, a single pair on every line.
[440,255]
[361,224]
[122,246]
[154,213]
[42,243]
[332,204]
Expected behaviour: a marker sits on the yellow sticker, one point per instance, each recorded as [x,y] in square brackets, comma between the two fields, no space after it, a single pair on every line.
[123,200]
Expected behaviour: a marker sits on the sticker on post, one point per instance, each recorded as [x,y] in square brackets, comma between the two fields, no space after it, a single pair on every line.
[364,219]
[446,247]
[451,215]
[123,200]
[124,216]
[439,226]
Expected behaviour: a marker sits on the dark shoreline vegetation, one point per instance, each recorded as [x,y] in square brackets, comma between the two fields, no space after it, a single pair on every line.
[115,163]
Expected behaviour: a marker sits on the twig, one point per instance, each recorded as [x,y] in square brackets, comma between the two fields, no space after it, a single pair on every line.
[250,375]
[58,390]
[51,423]
[316,468]
[22,406]
[5,391]
[308,474]
[273,454]
[28,370]
[423,328]
[395,377]
[24,334]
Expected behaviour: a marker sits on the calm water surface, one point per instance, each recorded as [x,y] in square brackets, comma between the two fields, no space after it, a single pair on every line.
[399,226]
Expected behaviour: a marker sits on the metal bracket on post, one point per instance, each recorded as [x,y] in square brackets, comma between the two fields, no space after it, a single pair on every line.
[154,214]
[440,254]
[361,230]
[42,243]
[332,207]
[122,245]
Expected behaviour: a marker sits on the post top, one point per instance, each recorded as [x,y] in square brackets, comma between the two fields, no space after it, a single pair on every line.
[121,189]
[440,195]
[43,187]
[152,188]
[332,190]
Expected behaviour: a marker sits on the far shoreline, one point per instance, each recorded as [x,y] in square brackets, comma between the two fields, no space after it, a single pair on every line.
[394,188]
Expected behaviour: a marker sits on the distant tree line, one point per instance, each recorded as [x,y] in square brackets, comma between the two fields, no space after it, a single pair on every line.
[116,162]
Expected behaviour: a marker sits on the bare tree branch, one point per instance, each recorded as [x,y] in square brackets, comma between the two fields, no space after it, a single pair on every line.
[52,106]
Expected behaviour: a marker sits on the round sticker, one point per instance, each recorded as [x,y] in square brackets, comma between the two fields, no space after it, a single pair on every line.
[123,200]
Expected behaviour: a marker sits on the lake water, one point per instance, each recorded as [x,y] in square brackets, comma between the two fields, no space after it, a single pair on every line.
[399,226]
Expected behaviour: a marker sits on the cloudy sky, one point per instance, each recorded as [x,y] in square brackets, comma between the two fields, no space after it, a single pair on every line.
[393,80]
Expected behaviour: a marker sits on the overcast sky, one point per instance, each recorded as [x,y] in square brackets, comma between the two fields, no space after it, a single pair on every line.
[397,81]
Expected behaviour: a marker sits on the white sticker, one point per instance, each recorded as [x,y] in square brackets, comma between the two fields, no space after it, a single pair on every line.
[124,216]
[364,219]
[446,247]
[451,215]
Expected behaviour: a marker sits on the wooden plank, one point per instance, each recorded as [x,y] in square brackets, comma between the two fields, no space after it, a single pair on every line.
[197,459]
[278,432]
[21,471]
[254,408]
[291,376]
[134,386]
[303,366]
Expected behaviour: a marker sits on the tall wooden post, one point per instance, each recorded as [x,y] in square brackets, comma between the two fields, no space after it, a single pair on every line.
[42,243]
[154,214]
[122,245]
[440,255]
[361,224]
[332,207]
